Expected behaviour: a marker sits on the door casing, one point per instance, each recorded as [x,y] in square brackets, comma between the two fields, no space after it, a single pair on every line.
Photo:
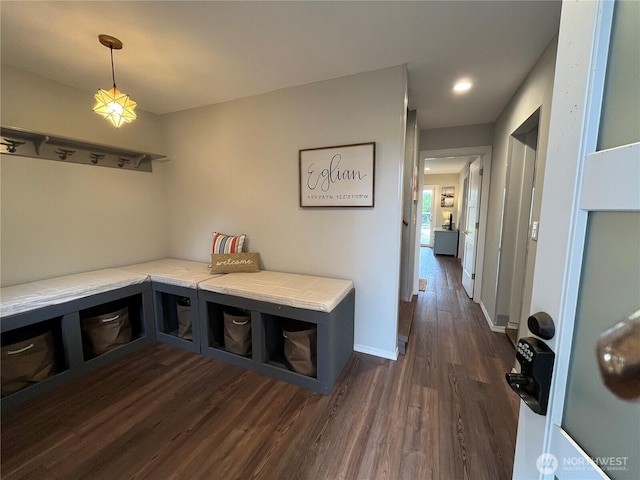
[577,98]
[484,152]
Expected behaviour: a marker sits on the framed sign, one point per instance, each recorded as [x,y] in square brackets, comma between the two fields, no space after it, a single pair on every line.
[341,176]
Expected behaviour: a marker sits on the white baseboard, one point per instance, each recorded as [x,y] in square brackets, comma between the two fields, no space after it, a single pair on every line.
[494,328]
[377,352]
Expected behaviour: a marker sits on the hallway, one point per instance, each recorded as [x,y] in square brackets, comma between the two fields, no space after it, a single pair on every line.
[465,362]
[442,411]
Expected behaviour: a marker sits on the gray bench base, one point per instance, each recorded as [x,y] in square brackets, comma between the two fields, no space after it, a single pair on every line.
[334,343]
[334,340]
[65,321]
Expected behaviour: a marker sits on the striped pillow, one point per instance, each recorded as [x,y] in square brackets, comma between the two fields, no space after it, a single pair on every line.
[223,243]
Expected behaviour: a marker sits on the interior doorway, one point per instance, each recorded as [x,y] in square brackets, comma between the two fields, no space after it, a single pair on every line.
[433,158]
[426,226]
[513,297]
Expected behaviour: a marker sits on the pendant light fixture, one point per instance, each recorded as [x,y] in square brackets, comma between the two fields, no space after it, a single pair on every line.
[112,104]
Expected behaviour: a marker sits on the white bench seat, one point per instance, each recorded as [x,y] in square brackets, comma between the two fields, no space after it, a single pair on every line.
[43,293]
[151,291]
[181,273]
[301,291]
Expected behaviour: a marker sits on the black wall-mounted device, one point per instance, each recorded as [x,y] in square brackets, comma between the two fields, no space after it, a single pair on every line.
[534,381]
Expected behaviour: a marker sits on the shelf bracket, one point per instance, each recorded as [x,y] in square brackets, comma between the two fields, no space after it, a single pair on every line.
[39,142]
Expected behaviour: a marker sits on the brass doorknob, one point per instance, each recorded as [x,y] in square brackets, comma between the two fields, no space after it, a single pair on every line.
[618,353]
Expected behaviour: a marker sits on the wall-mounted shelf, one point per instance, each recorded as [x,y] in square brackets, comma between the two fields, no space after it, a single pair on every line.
[16,141]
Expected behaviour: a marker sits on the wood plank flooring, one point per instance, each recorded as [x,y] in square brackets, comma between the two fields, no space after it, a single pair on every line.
[405,320]
[442,411]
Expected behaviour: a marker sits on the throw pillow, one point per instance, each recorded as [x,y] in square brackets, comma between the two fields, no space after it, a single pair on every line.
[223,243]
[235,262]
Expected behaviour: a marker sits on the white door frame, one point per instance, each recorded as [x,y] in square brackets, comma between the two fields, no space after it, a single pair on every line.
[484,152]
[597,28]
[577,97]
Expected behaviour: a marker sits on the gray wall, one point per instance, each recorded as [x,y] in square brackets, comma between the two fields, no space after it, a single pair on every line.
[535,92]
[50,228]
[42,105]
[59,218]
[234,169]
[457,137]
[445,180]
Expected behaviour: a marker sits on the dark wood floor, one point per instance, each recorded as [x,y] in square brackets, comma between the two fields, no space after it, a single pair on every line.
[442,411]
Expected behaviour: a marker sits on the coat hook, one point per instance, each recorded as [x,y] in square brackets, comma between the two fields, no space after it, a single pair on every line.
[11,145]
[64,153]
[122,161]
[139,160]
[96,156]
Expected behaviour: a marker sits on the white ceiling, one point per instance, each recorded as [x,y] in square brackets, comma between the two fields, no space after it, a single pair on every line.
[181,54]
[446,165]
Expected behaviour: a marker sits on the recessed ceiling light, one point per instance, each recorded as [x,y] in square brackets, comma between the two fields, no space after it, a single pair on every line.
[462,86]
[427,168]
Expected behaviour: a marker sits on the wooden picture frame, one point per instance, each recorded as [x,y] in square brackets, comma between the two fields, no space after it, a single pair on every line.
[339,176]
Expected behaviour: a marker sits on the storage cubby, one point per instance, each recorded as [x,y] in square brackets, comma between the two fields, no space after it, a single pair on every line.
[111,325]
[274,341]
[174,286]
[175,316]
[217,336]
[32,354]
[215,326]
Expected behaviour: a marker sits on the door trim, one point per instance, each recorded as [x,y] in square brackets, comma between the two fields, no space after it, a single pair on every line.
[484,152]
[576,103]
[562,442]
[599,31]
[602,178]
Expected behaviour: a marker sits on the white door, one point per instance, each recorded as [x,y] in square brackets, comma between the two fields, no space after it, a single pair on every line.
[587,270]
[471,228]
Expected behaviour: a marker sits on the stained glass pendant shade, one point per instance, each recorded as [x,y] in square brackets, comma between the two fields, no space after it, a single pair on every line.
[112,104]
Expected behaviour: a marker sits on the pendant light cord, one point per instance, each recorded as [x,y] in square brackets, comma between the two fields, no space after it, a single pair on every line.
[113,72]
